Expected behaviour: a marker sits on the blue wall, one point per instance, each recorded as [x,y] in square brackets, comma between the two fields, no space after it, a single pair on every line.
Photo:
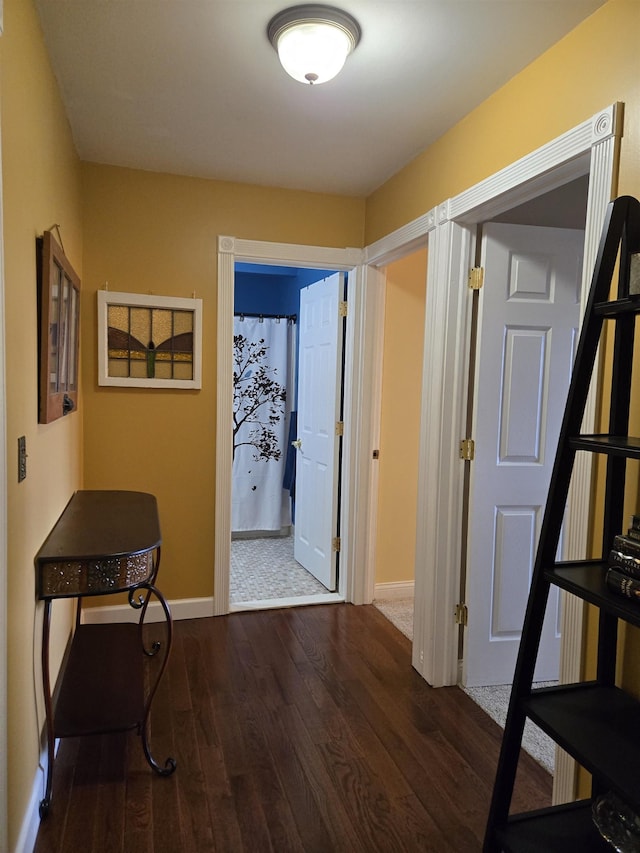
[261,289]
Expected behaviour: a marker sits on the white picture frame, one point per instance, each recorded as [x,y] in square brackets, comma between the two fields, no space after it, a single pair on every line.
[106,374]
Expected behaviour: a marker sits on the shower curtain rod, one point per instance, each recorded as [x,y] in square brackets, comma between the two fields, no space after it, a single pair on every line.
[243,314]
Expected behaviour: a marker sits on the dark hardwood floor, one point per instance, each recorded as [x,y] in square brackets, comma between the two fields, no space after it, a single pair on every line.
[294,730]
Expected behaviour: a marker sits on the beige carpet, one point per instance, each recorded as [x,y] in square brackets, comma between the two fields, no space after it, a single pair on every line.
[399,611]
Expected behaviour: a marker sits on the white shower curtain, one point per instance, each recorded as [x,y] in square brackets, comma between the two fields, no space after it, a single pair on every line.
[261,365]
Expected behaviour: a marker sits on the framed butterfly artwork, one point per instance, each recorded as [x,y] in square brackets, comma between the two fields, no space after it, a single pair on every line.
[149,341]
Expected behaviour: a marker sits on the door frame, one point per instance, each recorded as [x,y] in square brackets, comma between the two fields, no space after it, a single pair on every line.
[355,554]
[591,147]
[4,649]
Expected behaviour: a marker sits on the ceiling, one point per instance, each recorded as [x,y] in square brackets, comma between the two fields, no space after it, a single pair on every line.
[193,87]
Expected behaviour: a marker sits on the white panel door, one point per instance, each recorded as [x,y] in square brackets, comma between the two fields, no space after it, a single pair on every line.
[527,325]
[316,506]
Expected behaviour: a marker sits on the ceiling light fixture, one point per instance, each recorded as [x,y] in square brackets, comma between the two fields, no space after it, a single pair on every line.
[313,41]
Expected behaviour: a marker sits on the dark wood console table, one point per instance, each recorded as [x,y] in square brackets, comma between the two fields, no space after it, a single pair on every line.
[103,543]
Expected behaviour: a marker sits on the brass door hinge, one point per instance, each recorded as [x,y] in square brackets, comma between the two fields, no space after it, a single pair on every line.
[335,543]
[467,449]
[342,309]
[339,427]
[476,278]
[461,614]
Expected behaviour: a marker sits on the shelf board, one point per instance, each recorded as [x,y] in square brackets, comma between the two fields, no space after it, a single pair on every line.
[612,445]
[617,307]
[557,830]
[599,727]
[586,579]
[102,686]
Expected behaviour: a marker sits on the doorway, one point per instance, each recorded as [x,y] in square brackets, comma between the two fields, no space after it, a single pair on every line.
[451,232]
[590,148]
[283,346]
[398,445]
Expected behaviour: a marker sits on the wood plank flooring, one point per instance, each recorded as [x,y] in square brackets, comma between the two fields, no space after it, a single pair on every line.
[303,729]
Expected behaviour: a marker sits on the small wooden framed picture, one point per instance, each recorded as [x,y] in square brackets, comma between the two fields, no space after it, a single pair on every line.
[59,318]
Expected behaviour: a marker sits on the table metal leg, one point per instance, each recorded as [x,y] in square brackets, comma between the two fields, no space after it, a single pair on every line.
[46,684]
[170,763]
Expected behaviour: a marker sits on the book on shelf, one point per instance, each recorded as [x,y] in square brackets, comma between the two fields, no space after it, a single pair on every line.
[623,584]
[626,563]
[626,545]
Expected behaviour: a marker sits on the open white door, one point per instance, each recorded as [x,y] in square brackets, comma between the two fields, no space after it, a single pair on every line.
[527,328]
[319,366]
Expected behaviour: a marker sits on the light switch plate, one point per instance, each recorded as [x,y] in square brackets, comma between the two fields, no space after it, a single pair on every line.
[22,458]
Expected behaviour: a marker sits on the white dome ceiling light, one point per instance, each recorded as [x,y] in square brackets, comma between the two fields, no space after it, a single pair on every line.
[313,41]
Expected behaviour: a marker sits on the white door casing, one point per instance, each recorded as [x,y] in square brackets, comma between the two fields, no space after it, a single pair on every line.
[589,148]
[358,388]
[4,791]
[319,382]
[527,328]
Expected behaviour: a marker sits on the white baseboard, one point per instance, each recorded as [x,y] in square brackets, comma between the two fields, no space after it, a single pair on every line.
[402,589]
[29,830]
[31,823]
[184,608]
[181,608]
[294,601]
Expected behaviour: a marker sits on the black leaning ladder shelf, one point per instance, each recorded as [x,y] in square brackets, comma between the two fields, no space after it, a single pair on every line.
[596,722]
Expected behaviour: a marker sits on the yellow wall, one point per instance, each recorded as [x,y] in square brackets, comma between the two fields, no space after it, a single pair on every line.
[597,64]
[151,233]
[41,186]
[400,418]
[145,232]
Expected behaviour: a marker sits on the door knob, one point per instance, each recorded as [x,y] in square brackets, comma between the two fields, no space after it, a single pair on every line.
[297,443]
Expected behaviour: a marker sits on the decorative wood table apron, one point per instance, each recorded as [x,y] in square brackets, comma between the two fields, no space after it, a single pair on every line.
[104,542]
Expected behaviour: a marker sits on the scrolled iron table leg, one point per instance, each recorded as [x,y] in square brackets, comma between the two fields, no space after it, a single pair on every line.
[46,684]
[170,763]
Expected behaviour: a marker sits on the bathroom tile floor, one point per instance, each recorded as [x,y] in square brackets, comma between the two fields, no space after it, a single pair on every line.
[265,568]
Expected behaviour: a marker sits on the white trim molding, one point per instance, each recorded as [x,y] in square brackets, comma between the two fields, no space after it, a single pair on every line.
[440,484]
[591,148]
[4,790]
[181,608]
[554,164]
[355,473]
[372,360]
[402,241]
[224,419]
[28,834]
[602,188]
[362,391]
[394,590]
